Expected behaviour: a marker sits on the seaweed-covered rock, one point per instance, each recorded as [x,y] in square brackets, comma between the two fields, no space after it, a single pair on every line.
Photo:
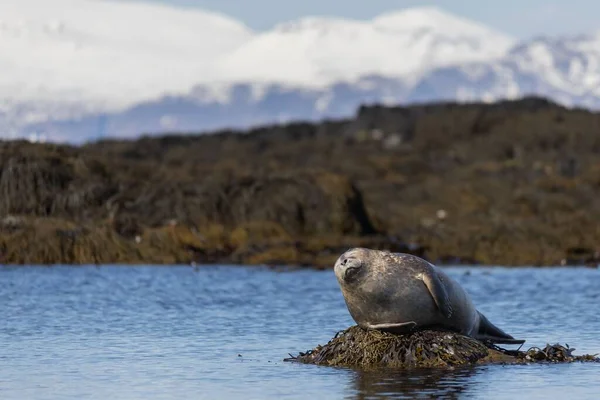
[48,180]
[550,353]
[26,240]
[304,202]
[507,183]
[356,347]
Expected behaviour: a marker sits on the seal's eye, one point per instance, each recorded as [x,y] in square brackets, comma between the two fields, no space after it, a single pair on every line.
[344,261]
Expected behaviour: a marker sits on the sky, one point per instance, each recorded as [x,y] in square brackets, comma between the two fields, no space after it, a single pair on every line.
[519,18]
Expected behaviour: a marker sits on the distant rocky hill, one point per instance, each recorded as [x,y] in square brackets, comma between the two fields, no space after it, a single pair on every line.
[511,183]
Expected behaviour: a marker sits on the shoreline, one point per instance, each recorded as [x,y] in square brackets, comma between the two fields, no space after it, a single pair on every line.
[181,246]
[512,183]
[277,267]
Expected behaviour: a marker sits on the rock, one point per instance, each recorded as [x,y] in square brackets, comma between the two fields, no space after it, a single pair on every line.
[359,348]
[508,183]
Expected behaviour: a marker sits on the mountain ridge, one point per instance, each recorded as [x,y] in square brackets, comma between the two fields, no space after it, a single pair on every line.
[164,77]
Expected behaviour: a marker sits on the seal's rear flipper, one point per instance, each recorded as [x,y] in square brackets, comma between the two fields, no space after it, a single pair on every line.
[490,332]
[499,340]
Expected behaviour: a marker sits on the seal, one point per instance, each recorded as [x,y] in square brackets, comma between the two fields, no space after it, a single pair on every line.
[400,293]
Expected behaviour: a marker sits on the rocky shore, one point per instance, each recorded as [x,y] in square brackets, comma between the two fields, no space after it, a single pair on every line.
[510,183]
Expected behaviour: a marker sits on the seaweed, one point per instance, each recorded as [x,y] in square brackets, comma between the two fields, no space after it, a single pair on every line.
[508,183]
[359,348]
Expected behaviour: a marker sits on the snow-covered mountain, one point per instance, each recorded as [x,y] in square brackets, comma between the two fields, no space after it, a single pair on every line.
[314,52]
[70,57]
[110,53]
[75,70]
[564,69]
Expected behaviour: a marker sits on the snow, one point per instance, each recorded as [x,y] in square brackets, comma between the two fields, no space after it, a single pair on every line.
[570,65]
[64,59]
[316,52]
[108,54]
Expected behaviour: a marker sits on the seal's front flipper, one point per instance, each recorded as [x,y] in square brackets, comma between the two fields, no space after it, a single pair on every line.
[401,327]
[490,332]
[438,292]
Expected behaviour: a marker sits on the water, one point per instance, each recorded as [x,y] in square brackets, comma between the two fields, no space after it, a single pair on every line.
[222,332]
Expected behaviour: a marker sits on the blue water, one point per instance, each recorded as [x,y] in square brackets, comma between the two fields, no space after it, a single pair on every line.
[222,333]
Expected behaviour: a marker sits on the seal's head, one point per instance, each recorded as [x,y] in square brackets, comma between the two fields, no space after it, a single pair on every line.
[352,265]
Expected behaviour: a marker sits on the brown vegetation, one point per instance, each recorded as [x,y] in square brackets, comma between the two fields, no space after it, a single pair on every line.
[512,183]
[367,349]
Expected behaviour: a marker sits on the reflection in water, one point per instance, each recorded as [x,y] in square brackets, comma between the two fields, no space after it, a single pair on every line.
[402,384]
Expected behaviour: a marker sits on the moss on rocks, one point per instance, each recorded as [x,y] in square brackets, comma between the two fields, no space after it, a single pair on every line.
[359,348]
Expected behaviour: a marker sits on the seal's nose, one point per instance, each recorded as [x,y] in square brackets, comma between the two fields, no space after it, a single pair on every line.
[340,266]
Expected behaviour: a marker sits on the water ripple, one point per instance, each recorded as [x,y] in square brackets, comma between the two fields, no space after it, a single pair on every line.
[221,332]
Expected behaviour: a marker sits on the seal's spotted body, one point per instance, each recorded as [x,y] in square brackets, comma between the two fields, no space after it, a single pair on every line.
[400,293]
